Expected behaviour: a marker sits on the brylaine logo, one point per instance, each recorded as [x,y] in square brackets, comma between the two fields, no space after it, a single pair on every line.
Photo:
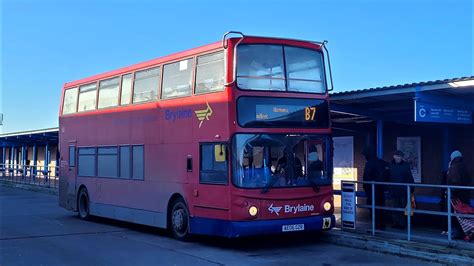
[291,209]
[275,210]
[203,114]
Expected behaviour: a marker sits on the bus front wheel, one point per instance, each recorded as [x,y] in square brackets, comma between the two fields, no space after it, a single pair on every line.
[179,220]
[83,204]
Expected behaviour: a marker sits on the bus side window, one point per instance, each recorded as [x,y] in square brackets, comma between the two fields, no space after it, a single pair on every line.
[213,164]
[72,156]
[210,73]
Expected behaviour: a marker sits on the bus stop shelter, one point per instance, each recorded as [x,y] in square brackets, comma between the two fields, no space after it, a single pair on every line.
[426,120]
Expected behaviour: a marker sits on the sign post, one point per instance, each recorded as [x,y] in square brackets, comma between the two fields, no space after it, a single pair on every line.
[348,208]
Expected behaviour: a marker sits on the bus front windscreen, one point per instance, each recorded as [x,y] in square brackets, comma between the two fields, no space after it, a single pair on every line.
[280,160]
[280,68]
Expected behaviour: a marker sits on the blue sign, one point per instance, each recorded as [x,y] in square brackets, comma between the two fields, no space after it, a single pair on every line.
[437,113]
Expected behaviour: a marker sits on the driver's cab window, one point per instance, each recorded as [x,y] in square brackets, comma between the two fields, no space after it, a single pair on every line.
[213,164]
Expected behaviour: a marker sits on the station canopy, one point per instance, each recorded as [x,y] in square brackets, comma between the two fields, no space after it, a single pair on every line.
[440,101]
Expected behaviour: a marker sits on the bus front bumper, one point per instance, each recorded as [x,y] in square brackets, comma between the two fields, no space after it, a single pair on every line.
[233,229]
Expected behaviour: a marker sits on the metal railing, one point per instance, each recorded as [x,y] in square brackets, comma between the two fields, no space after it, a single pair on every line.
[408,209]
[30,174]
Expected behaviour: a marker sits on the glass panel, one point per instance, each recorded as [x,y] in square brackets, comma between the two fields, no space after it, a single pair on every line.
[206,157]
[72,156]
[304,70]
[125,162]
[86,161]
[126,89]
[107,162]
[277,160]
[137,159]
[213,169]
[210,73]
[177,79]
[87,97]
[260,67]
[70,101]
[108,93]
[145,86]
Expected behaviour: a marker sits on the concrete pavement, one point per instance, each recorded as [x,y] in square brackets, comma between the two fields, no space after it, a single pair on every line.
[35,231]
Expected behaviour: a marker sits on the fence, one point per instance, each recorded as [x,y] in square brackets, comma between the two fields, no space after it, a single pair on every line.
[29,174]
[449,214]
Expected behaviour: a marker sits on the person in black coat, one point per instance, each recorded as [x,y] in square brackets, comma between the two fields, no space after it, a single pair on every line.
[457,175]
[376,170]
[400,172]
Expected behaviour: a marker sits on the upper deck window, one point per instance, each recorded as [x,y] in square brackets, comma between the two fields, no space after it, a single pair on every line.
[70,101]
[87,97]
[261,67]
[108,93]
[126,89]
[177,79]
[210,73]
[146,85]
[304,70]
[280,68]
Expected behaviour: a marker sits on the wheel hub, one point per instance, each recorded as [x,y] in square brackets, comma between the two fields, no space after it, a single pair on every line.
[178,220]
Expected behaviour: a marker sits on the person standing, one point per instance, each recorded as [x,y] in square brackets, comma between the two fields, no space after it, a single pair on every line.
[375,170]
[399,173]
[458,175]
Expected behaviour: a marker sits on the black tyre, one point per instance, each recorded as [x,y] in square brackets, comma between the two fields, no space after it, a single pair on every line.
[83,204]
[179,220]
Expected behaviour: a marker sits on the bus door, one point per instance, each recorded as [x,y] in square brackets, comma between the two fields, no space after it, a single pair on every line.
[67,178]
[212,193]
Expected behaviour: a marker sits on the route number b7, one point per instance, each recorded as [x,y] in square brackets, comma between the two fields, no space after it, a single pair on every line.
[309,113]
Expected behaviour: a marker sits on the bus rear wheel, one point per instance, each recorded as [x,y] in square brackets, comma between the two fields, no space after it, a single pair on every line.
[83,204]
[179,220]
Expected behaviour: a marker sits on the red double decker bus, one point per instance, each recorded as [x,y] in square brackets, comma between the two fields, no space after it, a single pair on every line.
[229,139]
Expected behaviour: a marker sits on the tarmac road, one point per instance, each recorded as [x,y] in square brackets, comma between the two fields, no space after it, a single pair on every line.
[34,230]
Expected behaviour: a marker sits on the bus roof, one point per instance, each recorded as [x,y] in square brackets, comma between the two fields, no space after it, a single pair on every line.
[156,61]
[184,54]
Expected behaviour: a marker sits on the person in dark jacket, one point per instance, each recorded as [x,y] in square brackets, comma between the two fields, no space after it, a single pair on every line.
[399,173]
[375,170]
[458,176]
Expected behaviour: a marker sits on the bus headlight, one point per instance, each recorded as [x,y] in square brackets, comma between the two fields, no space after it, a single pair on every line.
[253,211]
[327,206]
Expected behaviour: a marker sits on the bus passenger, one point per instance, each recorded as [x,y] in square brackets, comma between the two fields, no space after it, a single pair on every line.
[376,170]
[400,172]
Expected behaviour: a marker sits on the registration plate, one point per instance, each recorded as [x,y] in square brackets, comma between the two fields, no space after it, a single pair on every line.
[292,227]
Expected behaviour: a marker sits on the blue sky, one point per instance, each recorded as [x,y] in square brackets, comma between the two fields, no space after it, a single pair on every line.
[372,43]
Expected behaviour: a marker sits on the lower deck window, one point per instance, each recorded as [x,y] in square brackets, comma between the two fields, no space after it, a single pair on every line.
[86,161]
[107,162]
[137,162]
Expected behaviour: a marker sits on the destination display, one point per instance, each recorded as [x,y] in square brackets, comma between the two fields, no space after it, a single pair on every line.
[282,112]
